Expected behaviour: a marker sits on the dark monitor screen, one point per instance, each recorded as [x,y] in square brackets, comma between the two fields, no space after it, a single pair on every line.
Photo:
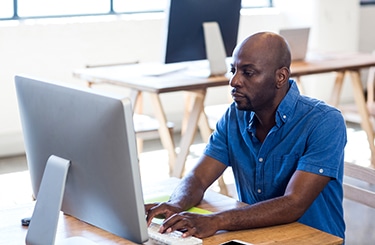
[185,38]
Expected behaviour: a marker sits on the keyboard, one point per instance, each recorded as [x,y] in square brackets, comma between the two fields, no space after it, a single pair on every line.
[163,69]
[172,238]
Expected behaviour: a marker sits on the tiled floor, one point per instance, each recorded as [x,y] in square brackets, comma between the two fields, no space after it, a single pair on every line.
[15,183]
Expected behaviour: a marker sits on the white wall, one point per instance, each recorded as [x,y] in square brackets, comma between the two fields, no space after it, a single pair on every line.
[366,28]
[52,49]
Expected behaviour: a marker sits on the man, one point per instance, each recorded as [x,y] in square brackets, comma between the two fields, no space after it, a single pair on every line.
[286,151]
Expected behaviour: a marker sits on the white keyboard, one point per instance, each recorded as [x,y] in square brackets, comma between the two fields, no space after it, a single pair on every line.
[172,238]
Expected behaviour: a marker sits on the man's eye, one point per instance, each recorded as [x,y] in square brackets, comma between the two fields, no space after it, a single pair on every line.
[248,73]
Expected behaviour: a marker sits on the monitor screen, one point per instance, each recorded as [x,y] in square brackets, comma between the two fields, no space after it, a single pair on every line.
[95,132]
[184,27]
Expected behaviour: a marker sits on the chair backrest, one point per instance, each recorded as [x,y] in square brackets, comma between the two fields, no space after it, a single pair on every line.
[363,192]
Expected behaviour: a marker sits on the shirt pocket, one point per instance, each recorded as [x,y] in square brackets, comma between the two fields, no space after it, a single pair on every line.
[282,170]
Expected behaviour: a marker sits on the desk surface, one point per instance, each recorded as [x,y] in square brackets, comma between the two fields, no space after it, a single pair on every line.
[132,76]
[332,62]
[135,76]
[295,233]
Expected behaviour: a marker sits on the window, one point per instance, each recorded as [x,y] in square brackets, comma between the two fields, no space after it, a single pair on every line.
[256,3]
[6,9]
[121,6]
[29,8]
[14,9]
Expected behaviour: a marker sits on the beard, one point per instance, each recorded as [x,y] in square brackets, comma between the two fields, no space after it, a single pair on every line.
[242,102]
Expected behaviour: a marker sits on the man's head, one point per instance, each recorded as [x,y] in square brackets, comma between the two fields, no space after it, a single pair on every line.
[261,70]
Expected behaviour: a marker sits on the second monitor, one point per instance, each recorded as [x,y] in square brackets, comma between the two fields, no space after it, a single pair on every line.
[185,38]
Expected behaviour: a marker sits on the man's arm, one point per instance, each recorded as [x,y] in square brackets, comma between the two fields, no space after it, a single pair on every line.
[300,193]
[190,190]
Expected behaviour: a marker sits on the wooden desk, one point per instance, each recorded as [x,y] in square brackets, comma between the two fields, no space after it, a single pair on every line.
[295,233]
[130,76]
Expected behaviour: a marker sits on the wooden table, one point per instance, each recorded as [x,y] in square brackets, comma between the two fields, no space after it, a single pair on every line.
[295,233]
[131,76]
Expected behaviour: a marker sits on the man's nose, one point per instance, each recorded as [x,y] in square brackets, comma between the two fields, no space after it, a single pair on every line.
[233,81]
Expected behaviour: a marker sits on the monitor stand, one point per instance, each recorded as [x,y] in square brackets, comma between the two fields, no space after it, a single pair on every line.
[215,65]
[43,225]
[215,50]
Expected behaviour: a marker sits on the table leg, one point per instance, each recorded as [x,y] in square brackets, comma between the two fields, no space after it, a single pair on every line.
[135,97]
[299,85]
[370,86]
[337,87]
[165,135]
[187,110]
[363,111]
[191,128]
[204,127]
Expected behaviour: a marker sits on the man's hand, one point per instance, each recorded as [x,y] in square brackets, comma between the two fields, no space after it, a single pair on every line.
[160,210]
[192,224]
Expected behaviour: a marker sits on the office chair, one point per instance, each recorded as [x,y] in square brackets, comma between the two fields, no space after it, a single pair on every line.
[362,191]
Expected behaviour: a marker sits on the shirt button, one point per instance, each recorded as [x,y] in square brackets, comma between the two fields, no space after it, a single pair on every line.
[321,170]
[259,191]
[284,116]
[260,159]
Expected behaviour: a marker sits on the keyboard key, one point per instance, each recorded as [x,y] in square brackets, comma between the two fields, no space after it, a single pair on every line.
[172,238]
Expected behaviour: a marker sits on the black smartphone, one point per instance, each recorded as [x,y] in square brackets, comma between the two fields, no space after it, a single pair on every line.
[236,242]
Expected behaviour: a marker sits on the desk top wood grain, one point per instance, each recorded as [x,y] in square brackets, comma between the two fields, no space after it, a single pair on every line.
[295,233]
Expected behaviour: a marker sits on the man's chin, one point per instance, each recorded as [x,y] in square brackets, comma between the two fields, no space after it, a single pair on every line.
[241,107]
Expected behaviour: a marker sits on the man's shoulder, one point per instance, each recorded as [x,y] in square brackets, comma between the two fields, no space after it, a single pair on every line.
[317,103]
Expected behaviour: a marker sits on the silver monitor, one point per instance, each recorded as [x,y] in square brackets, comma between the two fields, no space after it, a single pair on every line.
[94,133]
[298,39]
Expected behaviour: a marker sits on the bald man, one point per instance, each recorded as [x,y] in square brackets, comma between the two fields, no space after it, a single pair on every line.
[286,151]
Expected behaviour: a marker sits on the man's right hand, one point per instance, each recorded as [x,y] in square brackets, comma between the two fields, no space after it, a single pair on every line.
[162,210]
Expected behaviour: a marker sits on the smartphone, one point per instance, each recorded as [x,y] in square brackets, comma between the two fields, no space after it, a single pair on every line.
[236,242]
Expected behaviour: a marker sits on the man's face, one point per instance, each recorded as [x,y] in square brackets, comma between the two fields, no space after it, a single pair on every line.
[253,80]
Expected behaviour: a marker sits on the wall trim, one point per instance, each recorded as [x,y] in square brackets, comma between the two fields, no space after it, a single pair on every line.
[11,144]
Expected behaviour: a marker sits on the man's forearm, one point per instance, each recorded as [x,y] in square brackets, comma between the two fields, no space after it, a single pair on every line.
[271,212]
[188,193]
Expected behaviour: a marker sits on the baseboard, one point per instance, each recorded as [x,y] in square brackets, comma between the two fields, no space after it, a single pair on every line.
[11,144]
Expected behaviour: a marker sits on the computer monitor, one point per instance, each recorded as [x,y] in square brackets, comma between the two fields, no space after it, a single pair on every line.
[95,133]
[298,40]
[185,38]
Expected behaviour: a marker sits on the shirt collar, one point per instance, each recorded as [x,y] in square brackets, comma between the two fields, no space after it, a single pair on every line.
[287,105]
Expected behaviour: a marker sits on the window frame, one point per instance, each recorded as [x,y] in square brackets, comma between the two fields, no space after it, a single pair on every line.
[111,12]
[367,2]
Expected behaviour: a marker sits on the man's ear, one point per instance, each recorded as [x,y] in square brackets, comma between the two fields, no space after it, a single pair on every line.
[282,76]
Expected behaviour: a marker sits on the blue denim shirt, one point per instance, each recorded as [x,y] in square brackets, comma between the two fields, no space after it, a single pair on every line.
[309,135]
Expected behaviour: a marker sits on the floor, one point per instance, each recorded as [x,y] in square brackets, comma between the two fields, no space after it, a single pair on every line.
[15,183]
